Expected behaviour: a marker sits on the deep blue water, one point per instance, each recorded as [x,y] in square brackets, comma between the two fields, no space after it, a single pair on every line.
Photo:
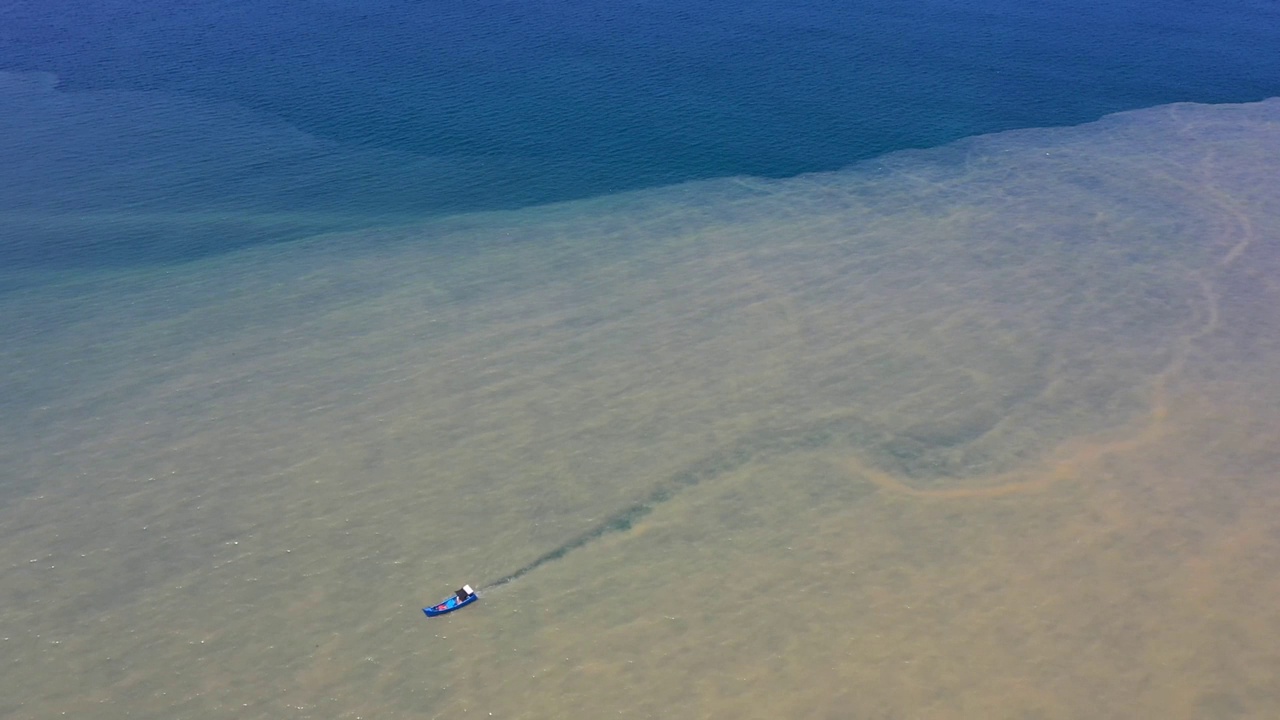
[429,107]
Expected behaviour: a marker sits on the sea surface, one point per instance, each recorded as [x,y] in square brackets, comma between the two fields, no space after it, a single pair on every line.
[758,359]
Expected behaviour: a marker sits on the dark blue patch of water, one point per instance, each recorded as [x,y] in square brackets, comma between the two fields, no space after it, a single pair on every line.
[574,98]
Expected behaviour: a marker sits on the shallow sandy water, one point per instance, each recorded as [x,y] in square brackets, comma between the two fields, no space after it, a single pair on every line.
[985,431]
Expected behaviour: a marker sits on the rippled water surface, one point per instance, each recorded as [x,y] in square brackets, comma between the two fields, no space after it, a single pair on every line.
[981,431]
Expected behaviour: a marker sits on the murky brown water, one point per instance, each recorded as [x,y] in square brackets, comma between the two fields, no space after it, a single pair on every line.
[980,432]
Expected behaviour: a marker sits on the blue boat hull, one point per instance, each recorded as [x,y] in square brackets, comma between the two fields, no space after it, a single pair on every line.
[449,605]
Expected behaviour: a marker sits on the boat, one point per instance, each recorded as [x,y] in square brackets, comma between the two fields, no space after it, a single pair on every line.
[461,598]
